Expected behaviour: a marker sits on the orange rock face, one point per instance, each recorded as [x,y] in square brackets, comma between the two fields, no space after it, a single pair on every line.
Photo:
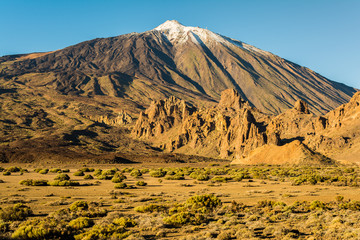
[234,130]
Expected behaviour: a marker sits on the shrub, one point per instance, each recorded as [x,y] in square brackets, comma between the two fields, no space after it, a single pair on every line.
[64,183]
[42,229]
[79,206]
[109,172]
[200,176]
[221,179]
[120,185]
[62,177]
[66,170]
[32,182]
[104,177]
[118,177]
[55,170]
[317,205]
[151,208]
[182,218]
[97,172]
[157,173]
[79,173]
[4,226]
[6,173]
[203,203]
[135,173]
[353,205]
[81,222]
[124,222]
[177,176]
[140,183]
[144,170]
[86,169]
[105,231]
[44,171]
[18,212]
[88,176]
[13,169]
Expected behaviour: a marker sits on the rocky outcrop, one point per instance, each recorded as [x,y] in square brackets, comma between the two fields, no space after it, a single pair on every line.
[228,130]
[161,116]
[122,118]
[231,99]
[234,130]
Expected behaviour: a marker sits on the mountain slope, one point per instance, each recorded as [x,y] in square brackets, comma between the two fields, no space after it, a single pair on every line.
[191,63]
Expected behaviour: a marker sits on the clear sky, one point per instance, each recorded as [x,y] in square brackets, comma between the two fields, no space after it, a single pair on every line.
[323,35]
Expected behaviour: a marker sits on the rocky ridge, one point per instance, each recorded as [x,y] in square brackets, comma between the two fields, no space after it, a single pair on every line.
[235,130]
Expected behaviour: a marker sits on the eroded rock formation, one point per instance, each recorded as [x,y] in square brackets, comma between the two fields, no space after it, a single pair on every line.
[235,130]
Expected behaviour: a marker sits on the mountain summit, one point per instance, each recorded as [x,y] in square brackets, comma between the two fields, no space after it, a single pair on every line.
[190,63]
[175,32]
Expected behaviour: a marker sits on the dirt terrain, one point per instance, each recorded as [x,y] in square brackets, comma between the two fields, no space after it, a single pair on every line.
[240,201]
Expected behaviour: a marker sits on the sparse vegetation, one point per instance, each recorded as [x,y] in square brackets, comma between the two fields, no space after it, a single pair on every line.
[210,212]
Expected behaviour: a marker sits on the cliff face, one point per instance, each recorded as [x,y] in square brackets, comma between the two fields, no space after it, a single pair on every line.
[230,130]
[234,130]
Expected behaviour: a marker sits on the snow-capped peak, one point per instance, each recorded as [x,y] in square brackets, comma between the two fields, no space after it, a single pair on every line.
[177,33]
[170,24]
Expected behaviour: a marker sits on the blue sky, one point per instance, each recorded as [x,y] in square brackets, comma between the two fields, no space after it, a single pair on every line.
[323,35]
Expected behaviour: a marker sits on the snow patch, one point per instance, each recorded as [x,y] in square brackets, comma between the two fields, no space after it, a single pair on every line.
[177,33]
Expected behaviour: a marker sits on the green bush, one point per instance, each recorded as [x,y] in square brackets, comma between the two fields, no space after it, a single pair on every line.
[110,172]
[317,205]
[4,227]
[79,173]
[13,169]
[177,176]
[353,205]
[140,183]
[18,212]
[6,173]
[44,171]
[64,183]
[221,179]
[182,218]
[105,231]
[97,172]
[120,185]
[62,177]
[200,176]
[124,222]
[66,170]
[42,229]
[203,203]
[118,177]
[79,206]
[86,169]
[32,182]
[81,222]
[157,173]
[151,208]
[88,176]
[135,173]
[55,170]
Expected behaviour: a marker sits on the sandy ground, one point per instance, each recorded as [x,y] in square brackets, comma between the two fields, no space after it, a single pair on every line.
[40,198]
